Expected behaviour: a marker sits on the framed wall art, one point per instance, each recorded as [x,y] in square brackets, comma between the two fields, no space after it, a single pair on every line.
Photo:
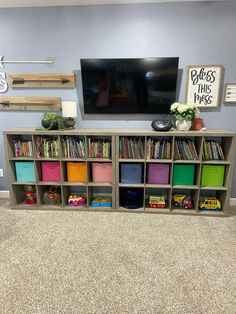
[203,85]
[230,93]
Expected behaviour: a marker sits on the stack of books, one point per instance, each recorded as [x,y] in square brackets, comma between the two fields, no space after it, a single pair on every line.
[158,149]
[23,148]
[212,151]
[99,148]
[131,148]
[47,147]
[73,147]
[185,149]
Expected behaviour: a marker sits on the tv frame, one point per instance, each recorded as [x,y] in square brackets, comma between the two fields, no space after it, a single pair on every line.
[122,116]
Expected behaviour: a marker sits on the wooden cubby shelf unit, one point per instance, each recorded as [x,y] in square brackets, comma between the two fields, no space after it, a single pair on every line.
[143,163]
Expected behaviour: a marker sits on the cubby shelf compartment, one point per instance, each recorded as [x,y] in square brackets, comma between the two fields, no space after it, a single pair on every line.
[104,146]
[159,161]
[186,161]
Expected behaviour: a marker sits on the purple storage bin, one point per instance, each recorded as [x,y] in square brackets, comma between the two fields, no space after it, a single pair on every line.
[158,173]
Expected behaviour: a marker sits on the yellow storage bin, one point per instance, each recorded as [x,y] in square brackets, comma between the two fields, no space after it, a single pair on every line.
[76,172]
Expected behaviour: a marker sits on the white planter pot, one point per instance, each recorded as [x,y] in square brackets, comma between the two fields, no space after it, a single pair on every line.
[184,125]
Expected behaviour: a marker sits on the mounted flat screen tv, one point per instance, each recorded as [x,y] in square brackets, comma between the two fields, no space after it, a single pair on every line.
[129,86]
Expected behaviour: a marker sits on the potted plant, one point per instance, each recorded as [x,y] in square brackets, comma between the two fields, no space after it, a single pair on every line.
[52,121]
[184,115]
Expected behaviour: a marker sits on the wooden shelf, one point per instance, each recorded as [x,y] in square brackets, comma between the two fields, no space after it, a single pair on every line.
[158,161]
[91,190]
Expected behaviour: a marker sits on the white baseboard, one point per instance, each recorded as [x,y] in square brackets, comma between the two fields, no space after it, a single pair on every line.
[4,194]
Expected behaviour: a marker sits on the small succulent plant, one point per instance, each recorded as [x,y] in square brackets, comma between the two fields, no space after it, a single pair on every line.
[52,120]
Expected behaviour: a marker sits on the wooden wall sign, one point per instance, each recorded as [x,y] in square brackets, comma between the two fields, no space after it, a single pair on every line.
[30,103]
[203,85]
[230,93]
[21,80]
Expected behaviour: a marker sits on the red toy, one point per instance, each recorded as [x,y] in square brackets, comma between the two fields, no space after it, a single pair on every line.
[30,198]
[30,195]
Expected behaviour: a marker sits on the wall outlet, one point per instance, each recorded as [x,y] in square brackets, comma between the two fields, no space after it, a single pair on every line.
[1,172]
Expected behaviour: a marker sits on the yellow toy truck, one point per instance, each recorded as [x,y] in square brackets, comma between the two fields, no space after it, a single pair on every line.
[182,200]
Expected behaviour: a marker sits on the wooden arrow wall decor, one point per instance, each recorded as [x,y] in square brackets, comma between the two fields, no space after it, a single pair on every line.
[21,80]
[30,103]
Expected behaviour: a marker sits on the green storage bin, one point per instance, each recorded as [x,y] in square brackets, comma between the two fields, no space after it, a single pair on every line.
[183,175]
[212,175]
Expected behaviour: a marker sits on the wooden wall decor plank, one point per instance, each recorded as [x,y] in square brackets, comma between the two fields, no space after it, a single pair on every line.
[22,80]
[30,103]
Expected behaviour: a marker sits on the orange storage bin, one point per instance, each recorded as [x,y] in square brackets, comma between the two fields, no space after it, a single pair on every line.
[76,172]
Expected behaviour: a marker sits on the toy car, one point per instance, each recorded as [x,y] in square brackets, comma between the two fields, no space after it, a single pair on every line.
[182,200]
[76,200]
[157,201]
[101,201]
[210,203]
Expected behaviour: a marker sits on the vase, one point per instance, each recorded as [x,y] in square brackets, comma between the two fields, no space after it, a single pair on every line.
[198,124]
[49,125]
[183,125]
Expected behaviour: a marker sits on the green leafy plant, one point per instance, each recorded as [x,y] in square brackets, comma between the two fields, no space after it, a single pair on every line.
[53,118]
[184,111]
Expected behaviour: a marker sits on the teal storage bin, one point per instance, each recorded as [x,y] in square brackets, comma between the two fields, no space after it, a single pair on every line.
[183,175]
[212,175]
[25,171]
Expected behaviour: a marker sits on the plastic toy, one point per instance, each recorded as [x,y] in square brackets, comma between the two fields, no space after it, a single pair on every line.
[30,194]
[101,201]
[210,203]
[157,201]
[76,200]
[52,196]
[182,200]
[30,198]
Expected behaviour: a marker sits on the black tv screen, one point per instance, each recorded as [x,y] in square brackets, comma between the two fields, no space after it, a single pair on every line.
[129,86]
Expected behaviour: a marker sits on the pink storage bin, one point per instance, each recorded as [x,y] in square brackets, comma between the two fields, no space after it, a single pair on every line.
[102,172]
[158,173]
[51,171]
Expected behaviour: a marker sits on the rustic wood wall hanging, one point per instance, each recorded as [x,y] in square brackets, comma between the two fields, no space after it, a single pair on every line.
[21,80]
[230,93]
[30,103]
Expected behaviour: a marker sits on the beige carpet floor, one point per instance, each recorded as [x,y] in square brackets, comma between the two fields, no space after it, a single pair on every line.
[79,262]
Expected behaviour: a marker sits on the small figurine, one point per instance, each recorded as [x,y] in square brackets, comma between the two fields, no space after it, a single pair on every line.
[76,200]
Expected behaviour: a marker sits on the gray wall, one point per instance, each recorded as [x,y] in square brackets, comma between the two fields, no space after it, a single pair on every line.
[198,33]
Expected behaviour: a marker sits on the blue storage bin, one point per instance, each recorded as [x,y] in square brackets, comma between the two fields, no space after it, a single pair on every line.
[25,171]
[131,173]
